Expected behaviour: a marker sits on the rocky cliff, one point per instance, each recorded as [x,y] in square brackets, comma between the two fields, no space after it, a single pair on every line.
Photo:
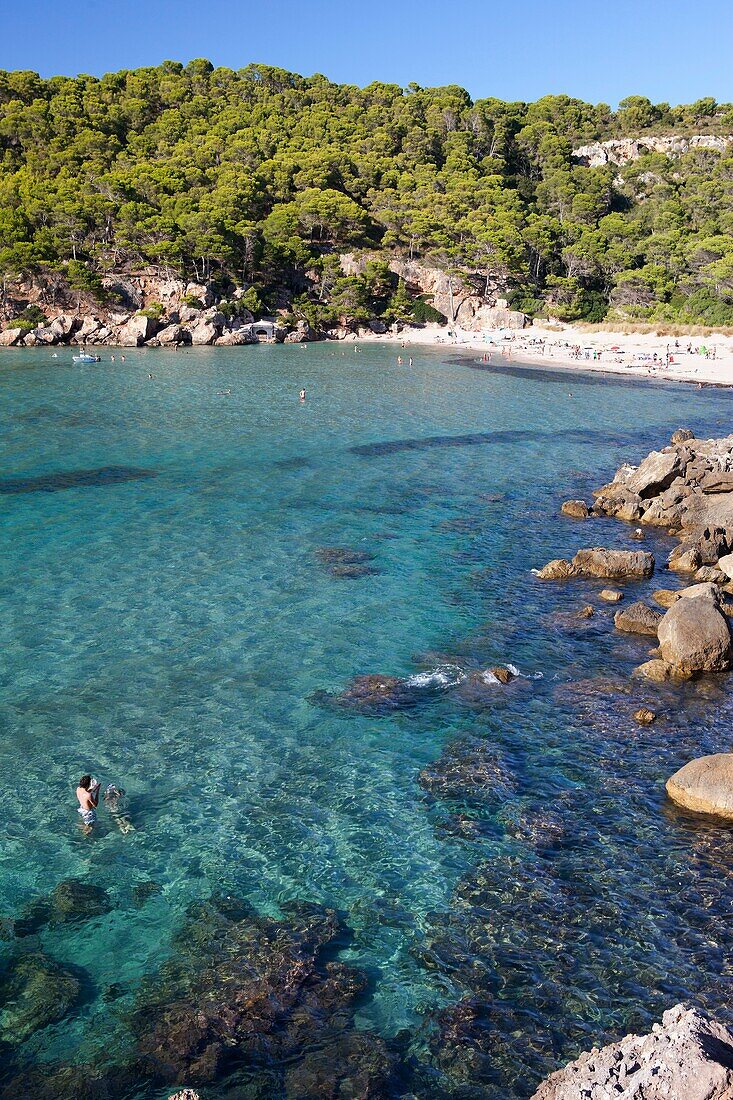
[621,151]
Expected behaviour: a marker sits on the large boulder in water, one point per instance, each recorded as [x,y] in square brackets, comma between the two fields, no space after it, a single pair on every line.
[688,1057]
[705,785]
[559,569]
[638,618]
[613,564]
[694,636]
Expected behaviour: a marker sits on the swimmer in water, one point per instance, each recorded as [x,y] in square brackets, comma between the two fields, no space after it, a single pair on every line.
[114,800]
[88,795]
[301,395]
[399,360]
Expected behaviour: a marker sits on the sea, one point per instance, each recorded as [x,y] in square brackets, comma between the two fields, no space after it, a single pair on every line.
[173,620]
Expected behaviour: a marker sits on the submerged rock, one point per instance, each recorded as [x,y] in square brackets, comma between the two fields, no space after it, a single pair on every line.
[72,901]
[469,769]
[374,692]
[705,785]
[245,985]
[355,1066]
[665,597]
[687,1057]
[638,618]
[35,991]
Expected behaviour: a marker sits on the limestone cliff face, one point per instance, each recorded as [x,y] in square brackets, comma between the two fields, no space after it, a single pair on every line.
[621,151]
[451,295]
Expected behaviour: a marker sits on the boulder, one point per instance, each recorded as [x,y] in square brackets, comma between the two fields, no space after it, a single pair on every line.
[644,716]
[586,612]
[725,565]
[711,573]
[136,331]
[578,509]
[556,570]
[10,337]
[704,588]
[204,332]
[705,785]
[638,618]
[689,561]
[64,325]
[613,564]
[171,334]
[694,636]
[45,334]
[656,473]
[303,333]
[611,595]
[503,675]
[682,435]
[687,1057]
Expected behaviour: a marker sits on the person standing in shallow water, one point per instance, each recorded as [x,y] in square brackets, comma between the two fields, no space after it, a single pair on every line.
[88,794]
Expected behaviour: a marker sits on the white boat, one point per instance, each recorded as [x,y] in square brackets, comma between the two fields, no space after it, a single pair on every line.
[85,358]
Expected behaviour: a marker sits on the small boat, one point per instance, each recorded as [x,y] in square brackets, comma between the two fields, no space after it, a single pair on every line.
[85,358]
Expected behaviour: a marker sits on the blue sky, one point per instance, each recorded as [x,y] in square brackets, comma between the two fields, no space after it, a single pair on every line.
[669,50]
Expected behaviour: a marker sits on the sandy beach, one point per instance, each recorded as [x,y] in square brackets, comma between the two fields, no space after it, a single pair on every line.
[706,360]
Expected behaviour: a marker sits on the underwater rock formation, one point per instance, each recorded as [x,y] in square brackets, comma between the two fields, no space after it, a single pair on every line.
[35,991]
[72,901]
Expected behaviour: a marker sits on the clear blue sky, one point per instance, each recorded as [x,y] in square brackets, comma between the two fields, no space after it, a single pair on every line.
[598,50]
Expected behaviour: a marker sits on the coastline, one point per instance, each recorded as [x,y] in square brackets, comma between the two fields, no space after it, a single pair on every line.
[629,355]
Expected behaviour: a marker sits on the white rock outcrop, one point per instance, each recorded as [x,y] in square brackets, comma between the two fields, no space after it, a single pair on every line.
[686,1057]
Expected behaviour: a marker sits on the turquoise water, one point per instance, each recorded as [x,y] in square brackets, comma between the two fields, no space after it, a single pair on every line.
[166,622]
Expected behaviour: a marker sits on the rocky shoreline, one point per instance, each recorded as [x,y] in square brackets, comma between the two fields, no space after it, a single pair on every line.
[686,488]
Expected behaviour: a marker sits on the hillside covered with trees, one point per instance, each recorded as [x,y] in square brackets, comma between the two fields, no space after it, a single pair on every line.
[260,178]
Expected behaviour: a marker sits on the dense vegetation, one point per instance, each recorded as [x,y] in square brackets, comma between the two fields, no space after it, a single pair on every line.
[262,177]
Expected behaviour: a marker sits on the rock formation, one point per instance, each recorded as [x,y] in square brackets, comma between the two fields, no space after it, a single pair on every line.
[694,636]
[599,562]
[705,785]
[638,618]
[686,1057]
[620,151]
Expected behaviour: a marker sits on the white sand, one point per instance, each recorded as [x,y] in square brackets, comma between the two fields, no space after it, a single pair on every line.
[613,352]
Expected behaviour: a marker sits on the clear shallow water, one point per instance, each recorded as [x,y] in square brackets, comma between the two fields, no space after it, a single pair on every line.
[166,625]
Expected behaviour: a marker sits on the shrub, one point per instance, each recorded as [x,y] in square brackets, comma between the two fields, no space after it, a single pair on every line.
[154,310]
[424,313]
[31,317]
